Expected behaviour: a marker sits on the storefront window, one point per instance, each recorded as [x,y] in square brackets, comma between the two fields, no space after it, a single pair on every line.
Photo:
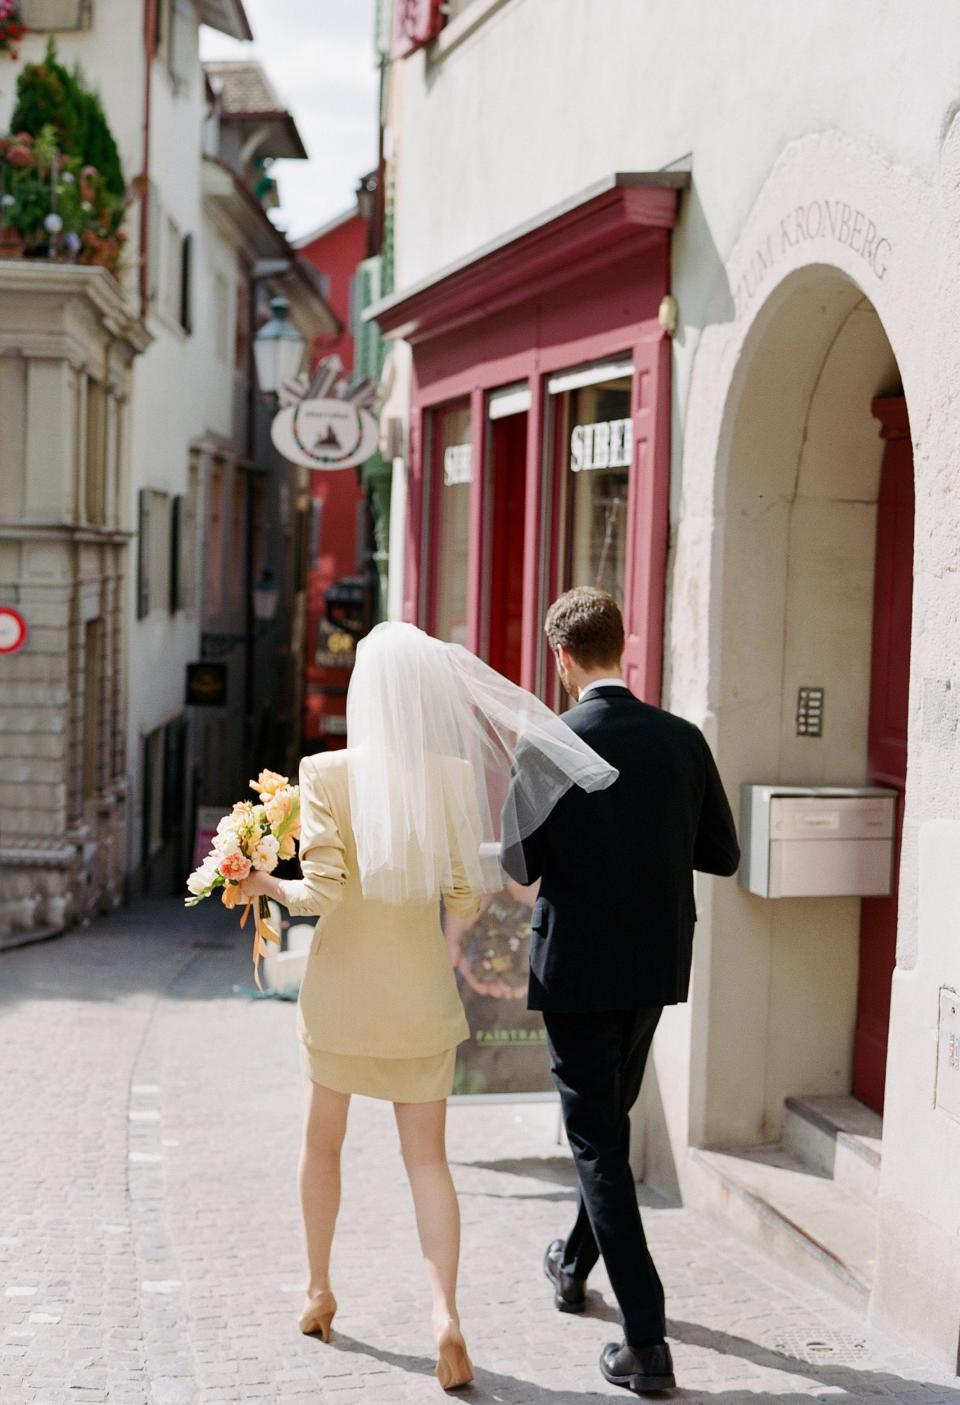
[596,448]
[453,475]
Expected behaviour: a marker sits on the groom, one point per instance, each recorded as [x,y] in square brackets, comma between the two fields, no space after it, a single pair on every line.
[612,944]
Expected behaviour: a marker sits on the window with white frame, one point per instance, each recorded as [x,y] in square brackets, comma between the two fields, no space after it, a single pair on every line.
[221,318]
[176,41]
[171,277]
[154,552]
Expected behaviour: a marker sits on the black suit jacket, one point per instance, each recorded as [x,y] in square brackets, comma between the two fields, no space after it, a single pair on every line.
[613,925]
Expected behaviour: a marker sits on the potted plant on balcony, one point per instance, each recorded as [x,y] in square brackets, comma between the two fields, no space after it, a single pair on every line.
[62,191]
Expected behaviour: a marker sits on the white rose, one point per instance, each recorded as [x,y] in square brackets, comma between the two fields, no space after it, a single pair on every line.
[226,838]
[264,856]
[200,880]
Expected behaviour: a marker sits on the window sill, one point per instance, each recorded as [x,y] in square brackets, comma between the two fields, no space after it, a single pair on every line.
[453,34]
[168,323]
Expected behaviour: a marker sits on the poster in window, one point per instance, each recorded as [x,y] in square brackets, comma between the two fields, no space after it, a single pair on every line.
[490,951]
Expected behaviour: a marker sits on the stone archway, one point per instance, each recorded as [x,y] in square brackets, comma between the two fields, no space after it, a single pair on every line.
[798,477]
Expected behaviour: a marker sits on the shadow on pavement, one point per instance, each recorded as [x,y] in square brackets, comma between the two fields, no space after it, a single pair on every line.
[493,1386]
[556,1169]
[489,1386]
[837,1376]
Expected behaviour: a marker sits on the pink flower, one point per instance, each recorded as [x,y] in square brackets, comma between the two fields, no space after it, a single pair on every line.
[235,866]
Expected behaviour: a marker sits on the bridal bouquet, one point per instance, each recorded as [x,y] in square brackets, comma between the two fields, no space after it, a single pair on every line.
[252,836]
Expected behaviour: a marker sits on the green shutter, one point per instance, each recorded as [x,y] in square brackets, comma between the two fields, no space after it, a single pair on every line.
[176,550]
[368,347]
[186,283]
[143,555]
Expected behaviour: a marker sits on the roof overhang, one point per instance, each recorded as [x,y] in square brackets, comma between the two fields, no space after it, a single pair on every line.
[280,137]
[228,16]
[603,225]
[245,221]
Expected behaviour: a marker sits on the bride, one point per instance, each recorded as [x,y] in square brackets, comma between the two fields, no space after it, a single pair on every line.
[414,810]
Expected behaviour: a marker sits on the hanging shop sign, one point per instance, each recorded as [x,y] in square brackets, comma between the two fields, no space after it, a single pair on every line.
[206,684]
[325,422]
[605,445]
[457,465]
[13,630]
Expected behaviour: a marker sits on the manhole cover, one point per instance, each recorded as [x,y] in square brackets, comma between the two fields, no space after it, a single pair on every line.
[821,1347]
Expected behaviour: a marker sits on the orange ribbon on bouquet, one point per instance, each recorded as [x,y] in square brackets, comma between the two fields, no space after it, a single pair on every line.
[262,931]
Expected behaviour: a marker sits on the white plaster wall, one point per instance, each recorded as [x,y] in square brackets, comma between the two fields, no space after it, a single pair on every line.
[549,95]
[853,105]
[182,393]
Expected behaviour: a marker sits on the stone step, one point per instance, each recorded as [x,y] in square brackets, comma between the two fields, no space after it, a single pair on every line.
[819,1230]
[838,1136]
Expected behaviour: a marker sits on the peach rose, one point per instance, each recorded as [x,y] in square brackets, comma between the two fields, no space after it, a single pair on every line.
[235,866]
[268,783]
[279,805]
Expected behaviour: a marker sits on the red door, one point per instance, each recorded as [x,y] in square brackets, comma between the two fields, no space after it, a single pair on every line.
[648,519]
[889,695]
[508,471]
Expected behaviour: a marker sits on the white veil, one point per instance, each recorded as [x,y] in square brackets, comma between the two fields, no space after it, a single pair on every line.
[447,759]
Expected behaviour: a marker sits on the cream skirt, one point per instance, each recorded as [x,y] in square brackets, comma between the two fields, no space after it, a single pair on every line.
[424,1080]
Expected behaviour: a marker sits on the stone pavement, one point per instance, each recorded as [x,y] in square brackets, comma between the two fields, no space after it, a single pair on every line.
[149,1233]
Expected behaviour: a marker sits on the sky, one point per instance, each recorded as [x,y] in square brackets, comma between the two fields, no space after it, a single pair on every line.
[318,55]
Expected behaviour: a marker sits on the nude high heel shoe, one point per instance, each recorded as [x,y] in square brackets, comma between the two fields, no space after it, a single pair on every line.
[454,1367]
[318,1314]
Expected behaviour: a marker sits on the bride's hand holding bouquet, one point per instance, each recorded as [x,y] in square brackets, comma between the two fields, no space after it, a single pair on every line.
[249,843]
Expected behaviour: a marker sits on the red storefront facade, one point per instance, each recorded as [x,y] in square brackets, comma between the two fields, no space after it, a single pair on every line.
[539,429]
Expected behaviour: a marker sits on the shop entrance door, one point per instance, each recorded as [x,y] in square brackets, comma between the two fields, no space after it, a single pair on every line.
[504,601]
[889,690]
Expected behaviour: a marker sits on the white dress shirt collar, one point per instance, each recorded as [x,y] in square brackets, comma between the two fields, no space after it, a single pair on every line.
[602,683]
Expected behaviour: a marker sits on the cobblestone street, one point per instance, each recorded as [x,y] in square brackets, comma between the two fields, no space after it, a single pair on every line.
[149,1231]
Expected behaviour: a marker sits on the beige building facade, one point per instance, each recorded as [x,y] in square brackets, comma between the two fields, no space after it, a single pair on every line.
[67,346]
[811,553]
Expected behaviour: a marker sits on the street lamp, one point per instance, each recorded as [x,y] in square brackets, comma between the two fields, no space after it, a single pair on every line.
[277,348]
[266,597]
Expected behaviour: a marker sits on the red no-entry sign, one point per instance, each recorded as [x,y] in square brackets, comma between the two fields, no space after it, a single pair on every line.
[13,630]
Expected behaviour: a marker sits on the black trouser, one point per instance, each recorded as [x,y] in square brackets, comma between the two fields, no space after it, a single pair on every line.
[598,1062]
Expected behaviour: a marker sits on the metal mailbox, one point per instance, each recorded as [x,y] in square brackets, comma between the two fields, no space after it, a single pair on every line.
[817,841]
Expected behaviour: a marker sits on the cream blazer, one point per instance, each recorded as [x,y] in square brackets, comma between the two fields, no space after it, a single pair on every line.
[379,980]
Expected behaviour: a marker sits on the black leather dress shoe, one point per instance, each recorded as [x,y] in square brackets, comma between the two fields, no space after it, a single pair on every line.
[569,1293]
[640,1369]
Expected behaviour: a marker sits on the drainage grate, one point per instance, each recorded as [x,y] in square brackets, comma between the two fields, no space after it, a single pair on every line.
[824,1347]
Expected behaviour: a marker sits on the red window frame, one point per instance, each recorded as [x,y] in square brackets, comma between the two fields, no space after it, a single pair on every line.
[583,287]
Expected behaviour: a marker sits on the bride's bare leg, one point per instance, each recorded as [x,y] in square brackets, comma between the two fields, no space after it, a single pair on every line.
[422,1128]
[319,1179]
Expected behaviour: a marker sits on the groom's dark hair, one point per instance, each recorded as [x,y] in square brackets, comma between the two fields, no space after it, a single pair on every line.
[588,623]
